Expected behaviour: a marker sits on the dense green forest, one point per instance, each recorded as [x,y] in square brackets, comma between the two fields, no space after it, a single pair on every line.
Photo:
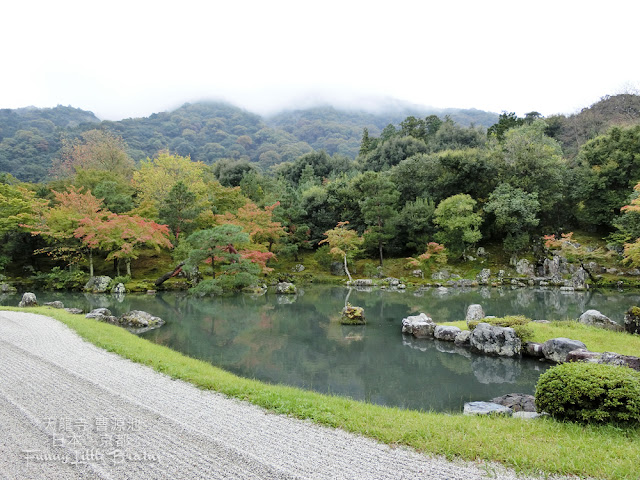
[32,139]
[220,187]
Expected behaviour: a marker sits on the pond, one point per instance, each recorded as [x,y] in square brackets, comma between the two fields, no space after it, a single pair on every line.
[297,340]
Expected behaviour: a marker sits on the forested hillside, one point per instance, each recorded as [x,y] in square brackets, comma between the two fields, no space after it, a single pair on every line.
[205,131]
[30,138]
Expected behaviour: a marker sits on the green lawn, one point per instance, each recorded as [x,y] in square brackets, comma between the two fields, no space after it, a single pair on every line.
[542,446]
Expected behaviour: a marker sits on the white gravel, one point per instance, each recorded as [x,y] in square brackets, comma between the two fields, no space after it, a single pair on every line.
[71,410]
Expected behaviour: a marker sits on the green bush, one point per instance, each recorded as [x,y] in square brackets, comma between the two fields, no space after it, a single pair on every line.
[589,392]
[517,322]
[58,279]
[323,258]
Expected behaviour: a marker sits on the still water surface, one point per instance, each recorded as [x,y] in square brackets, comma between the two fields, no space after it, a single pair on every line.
[298,340]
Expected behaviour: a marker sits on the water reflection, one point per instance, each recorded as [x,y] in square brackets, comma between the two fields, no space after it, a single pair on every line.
[297,340]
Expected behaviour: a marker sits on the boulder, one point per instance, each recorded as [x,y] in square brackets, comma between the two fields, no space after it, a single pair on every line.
[463,339]
[524,267]
[337,268]
[417,273]
[486,408]
[362,282]
[446,333]
[352,315]
[579,279]
[483,277]
[75,311]
[474,313]
[28,300]
[557,349]
[119,289]
[102,315]
[286,288]
[298,268]
[481,252]
[608,358]
[491,340]
[420,326]
[632,320]
[532,349]
[596,319]
[441,275]
[97,284]
[517,402]
[56,304]
[140,319]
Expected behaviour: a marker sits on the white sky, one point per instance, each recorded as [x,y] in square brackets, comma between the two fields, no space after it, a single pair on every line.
[132,58]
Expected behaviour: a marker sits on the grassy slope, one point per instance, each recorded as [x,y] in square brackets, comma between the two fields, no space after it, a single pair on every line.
[540,446]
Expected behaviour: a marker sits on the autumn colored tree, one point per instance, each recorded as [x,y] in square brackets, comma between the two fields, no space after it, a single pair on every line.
[343,242]
[58,224]
[257,222]
[123,236]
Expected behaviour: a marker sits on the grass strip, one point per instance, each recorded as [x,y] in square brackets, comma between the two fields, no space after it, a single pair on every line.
[543,446]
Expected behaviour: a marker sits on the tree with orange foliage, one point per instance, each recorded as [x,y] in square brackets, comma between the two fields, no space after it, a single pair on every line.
[257,222]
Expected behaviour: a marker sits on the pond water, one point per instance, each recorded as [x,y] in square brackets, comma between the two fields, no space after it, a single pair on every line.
[297,340]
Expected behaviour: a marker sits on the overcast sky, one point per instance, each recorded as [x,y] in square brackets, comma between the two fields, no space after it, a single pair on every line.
[131,58]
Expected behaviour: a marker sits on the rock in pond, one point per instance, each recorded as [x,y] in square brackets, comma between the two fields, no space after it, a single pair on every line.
[446,333]
[28,300]
[420,326]
[492,340]
[97,284]
[352,315]
[285,288]
[140,319]
[486,408]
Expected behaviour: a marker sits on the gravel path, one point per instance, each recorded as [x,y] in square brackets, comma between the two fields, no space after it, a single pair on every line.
[69,410]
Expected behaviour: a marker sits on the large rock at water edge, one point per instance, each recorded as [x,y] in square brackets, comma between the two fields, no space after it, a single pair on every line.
[102,315]
[596,319]
[140,319]
[446,333]
[54,304]
[28,300]
[119,289]
[492,340]
[474,313]
[557,349]
[483,277]
[420,326]
[524,267]
[98,284]
[517,402]
[486,408]
[286,288]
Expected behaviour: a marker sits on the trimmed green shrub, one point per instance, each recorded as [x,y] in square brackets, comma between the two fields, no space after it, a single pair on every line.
[589,392]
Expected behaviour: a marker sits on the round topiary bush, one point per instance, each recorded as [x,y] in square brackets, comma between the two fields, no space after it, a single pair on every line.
[589,392]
